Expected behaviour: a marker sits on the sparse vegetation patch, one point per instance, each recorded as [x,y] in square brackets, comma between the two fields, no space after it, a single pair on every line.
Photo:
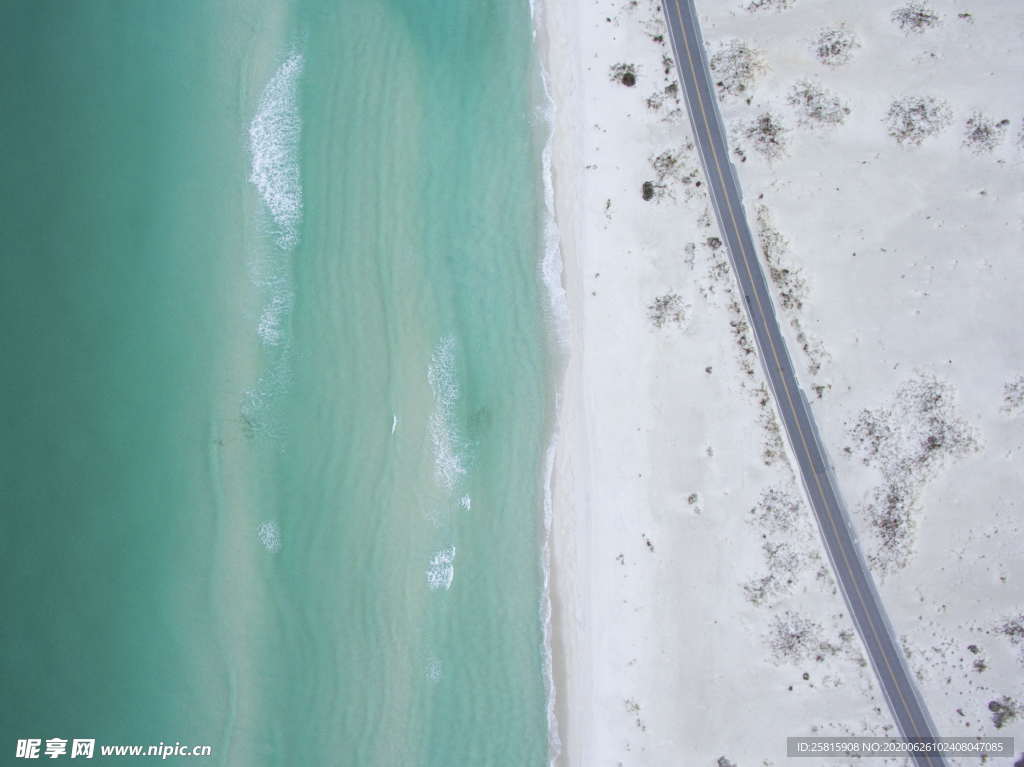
[735,67]
[815,350]
[789,282]
[835,46]
[912,119]
[777,511]
[671,169]
[667,163]
[793,638]
[755,6]
[1013,629]
[1013,396]
[669,95]
[790,286]
[816,106]
[1004,710]
[915,17]
[633,709]
[908,442]
[717,274]
[669,308]
[983,134]
[783,562]
[786,532]
[741,335]
[772,446]
[768,135]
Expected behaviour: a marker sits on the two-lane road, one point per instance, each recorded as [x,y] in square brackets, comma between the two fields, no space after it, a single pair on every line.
[848,564]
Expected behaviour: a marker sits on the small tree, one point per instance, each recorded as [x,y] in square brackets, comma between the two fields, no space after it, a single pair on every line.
[624,74]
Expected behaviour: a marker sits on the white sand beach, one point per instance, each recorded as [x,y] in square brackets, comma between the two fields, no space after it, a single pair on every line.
[695,617]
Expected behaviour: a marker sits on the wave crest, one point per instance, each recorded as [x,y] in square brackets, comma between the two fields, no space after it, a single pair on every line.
[448,463]
[270,536]
[271,328]
[441,571]
[274,145]
[551,265]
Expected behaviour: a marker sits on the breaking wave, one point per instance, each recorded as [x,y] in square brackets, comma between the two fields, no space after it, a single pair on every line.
[258,413]
[551,263]
[441,571]
[554,742]
[449,464]
[273,318]
[274,135]
[274,145]
[270,536]
[434,669]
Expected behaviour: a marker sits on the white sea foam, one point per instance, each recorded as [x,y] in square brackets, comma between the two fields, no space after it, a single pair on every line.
[554,742]
[271,328]
[448,462]
[441,571]
[257,406]
[434,670]
[466,502]
[551,262]
[551,269]
[270,536]
[274,145]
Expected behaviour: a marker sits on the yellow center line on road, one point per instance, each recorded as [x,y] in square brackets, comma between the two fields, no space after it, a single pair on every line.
[785,384]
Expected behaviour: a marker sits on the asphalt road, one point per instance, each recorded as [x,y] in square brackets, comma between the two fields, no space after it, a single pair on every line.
[815,470]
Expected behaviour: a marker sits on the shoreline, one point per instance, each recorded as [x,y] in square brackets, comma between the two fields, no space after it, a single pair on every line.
[550,271]
[556,269]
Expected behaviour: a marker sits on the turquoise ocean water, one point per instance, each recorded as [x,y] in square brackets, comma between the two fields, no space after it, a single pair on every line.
[276,380]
